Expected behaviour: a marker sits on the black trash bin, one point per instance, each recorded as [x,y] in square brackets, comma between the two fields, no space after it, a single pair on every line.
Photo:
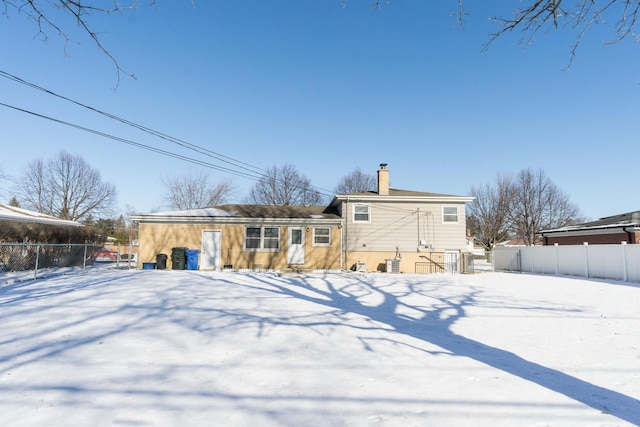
[161,261]
[178,258]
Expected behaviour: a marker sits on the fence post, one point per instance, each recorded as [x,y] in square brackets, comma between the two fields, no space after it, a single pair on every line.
[84,258]
[624,260]
[118,255]
[492,254]
[35,270]
[556,249]
[586,258]
[533,257]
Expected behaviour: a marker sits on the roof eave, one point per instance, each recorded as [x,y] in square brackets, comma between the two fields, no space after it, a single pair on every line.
[421,199]
[142,219]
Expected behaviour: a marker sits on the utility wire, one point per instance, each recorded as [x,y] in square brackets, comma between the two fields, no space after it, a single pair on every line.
[136,144]
[251,171]
[201,150]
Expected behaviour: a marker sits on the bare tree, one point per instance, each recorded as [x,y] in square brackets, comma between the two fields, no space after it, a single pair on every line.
[194,190]
[488,213]
[3,177]
[538,204]
[356,182]
[65,187]
[284,186]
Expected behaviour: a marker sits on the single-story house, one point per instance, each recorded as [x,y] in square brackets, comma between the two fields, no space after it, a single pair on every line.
[608,230]
[245,236]
[387,229]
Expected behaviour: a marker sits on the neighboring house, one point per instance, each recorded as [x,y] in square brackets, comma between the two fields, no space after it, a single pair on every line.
[608,230]
[404,231]
[12,213]
[475,248]
[520,242]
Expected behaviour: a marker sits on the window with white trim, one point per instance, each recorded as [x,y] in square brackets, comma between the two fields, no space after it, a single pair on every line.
[322,236]
[361,213]
[256,238]
[450,214]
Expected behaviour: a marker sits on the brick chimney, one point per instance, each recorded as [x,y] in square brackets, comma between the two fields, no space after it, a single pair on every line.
[383,180]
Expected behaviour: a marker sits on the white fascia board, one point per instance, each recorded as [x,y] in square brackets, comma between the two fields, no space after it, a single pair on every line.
[11,213]
[410,199]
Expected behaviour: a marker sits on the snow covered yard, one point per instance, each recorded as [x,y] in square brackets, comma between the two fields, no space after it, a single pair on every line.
[191,348]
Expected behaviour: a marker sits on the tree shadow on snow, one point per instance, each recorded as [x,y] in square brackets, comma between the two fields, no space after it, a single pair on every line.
[433,323]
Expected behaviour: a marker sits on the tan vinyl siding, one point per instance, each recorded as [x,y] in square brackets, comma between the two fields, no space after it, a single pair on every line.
[403,225]
[410,262]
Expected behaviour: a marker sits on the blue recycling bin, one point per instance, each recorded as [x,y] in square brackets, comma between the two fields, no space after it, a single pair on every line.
[192,258]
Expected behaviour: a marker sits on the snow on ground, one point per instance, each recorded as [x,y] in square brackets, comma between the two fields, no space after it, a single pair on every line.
[190,348]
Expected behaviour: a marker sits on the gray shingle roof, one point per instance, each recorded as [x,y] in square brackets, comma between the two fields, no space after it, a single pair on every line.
[272,211]
[620,219]
[249,211]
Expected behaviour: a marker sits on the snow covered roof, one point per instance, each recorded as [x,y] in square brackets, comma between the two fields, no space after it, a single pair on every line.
[625,220]
[204,212]
[12,213]
[238,212]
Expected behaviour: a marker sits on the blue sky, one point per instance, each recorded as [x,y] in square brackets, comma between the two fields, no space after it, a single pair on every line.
[329,89]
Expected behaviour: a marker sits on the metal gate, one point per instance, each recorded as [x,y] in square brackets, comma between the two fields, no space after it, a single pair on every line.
[507,260]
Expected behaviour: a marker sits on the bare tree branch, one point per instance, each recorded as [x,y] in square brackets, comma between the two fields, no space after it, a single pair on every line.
[284,186]
[538,204]
[49,16]
[579,15]
[488,213]
[356,182]
[194,190]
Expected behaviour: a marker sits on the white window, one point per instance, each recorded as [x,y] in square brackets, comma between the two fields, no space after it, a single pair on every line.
[450,214]
[361,213]
[256,238]
[322,236]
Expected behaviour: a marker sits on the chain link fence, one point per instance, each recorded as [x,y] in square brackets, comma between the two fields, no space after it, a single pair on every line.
[20,257]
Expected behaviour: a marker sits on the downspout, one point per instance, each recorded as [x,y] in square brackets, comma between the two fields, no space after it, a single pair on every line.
[346,235]
[341,243]
[635,219]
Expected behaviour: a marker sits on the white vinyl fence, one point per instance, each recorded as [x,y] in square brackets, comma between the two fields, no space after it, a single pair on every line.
[617,262]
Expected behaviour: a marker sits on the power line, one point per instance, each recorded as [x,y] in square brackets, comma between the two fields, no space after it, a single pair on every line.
[247,170]
[201,150]
[133,143]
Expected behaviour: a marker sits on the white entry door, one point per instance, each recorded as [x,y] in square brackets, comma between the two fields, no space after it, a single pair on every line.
[295,254]
[210,253]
